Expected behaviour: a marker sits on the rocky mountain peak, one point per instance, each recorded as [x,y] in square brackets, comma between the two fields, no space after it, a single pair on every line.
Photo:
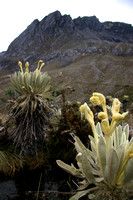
[50,27]
[92,23]
[55,23]
[82,53]
[50,20]
[58,37]
[56,26]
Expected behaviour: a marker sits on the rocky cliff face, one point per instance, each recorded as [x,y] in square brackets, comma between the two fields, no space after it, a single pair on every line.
[94,52]
[58,36]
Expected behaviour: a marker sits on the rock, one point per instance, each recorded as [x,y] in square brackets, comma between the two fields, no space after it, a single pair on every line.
[84,49]
[7,190]
[119,28]
[40,36]
[88,22]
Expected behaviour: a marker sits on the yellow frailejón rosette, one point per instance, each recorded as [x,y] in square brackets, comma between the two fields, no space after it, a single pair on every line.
[108,129]
[107,165]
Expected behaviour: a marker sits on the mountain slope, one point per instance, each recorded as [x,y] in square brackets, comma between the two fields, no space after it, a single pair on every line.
[83,53]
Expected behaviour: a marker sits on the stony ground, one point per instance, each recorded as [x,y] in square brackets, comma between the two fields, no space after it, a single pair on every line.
[105,73]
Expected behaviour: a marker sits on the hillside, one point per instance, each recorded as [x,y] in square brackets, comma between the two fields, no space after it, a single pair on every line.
[82,54]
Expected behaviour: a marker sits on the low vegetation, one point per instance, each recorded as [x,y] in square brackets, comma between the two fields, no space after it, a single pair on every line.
[39,132]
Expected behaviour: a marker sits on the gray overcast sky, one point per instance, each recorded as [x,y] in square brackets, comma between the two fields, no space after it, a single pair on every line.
[16,15]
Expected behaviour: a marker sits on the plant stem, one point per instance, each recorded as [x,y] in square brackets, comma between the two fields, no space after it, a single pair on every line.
[107,138]
[39,186]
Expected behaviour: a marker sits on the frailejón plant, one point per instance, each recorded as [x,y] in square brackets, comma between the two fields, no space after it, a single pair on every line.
[9,162]
[107,167]
[30,109]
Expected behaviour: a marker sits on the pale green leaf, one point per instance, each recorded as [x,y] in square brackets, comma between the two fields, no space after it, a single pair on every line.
[111,166]
[70,169]
[119,134]
[128,174]
[116,140]
[79,145]
[93,148]
[121,157]
[102,153]
[80,194]
[92,138]
[111,142]
[98,129]
[91,196]
[83,186]
[123,138]
[87,169]
[126,130]
[98,195]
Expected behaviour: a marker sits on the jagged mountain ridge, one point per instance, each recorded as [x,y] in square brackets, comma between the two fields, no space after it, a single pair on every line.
[55,25]
[84,53]
[47,38]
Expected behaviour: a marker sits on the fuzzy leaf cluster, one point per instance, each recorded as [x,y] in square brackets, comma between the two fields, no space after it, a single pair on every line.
[32,89]
[30,83]
[111,174]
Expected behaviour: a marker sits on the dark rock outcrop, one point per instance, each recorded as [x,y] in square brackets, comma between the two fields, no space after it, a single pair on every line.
[88,22]
[39,33]
[58,37]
